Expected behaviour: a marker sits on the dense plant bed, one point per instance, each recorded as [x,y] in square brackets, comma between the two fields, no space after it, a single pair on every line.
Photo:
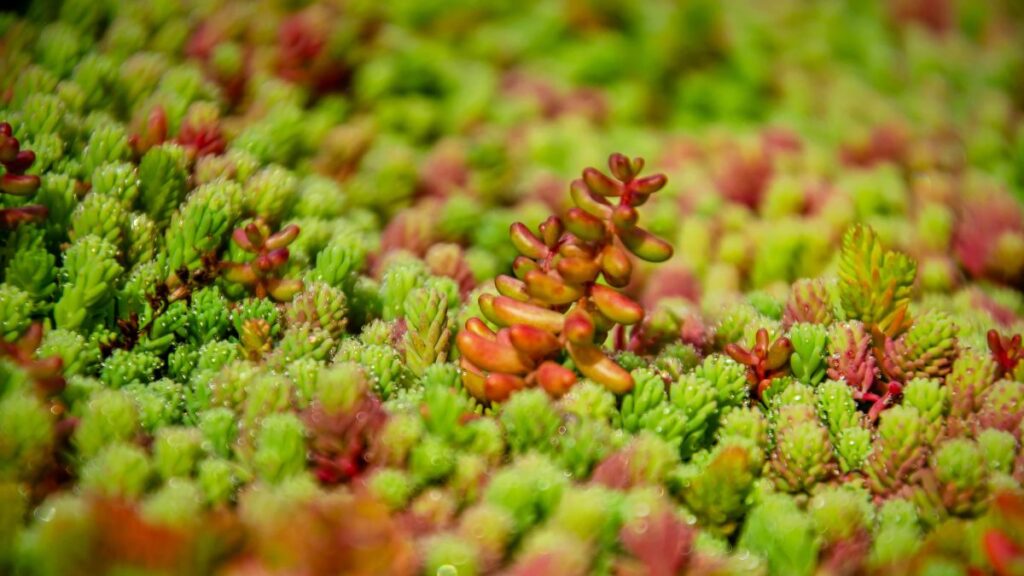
[329,288]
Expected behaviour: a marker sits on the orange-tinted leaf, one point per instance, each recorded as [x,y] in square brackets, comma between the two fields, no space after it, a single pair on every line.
[551,289]
[579,326]
[624,217]
[486,302]
[500,386]
[521,265]
[551,230]
[282,238]
[526,242]
[616,306]
[622,168]
[473,379]
[650,184]
[19,184]
[578,270]
[575,250]
[600,184]
[284,290]
[511,287]
[646,245]
[586,200]
[533,342]
[477,326]
[240,273]
[584,226]
[490,355]
[616,265]
[508,312]
[554,378]
[596,365]
[779,353]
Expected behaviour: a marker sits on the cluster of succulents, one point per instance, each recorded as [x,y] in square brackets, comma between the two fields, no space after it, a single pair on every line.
[320,287]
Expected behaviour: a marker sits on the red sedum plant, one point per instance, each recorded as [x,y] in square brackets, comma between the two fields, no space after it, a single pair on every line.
[555,301]
[765,361]
[271,254]
[15,182]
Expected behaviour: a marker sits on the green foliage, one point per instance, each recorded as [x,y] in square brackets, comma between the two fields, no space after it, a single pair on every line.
[162,181]
[176,451]
[427,335]
[26,437]
[156,417]
[217,480]
[875,283]
[530,421]
[280,448]
[431,460]
[119,469]
[109,417]
[201,224]
[648,394]
[88,278]
[717,484]
[809,352]
[728,377]
[782,534]
[15,307]
[322,306]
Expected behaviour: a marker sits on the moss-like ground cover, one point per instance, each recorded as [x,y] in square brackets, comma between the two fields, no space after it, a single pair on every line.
[356,287]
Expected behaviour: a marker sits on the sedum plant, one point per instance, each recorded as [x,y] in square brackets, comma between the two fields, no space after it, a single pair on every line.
[804,360]
[556,302]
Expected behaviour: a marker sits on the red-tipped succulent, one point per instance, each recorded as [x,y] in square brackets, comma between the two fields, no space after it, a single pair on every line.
[991,223]
[660,545]
[149,132]
[554,301]
[200,133]
[765,361]
[271,254]
[1007,352]
[304,52]
[45,371]
[341,439]
[1004,541]
[15,182]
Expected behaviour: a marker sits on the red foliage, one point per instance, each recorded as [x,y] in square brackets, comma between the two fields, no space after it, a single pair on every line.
[887,143]
[271,254]
[151,132]
[937,16]
[744,174]
[1004,542]
[201,136]
[764,361]
[46,372]
[340,534]
[661,545]
[303,55]
[123,538]
[15,182]
[614,471]
[983,220]
[340,440]
[1007,352]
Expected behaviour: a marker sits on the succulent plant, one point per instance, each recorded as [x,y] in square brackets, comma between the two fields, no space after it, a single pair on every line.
[806,361]
[270,253]
[559,269]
